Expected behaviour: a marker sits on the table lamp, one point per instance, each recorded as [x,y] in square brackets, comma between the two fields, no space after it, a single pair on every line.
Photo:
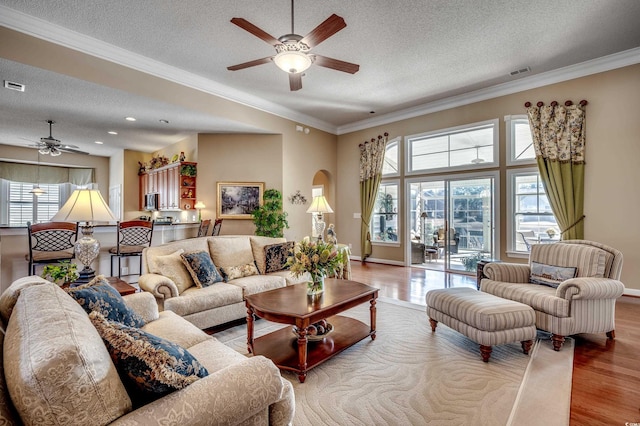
[319,205]
[199,205]
[85,205]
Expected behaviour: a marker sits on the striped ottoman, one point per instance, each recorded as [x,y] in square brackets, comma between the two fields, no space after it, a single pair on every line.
[482,317]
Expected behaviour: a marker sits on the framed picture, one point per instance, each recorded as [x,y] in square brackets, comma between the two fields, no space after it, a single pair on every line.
[237,200]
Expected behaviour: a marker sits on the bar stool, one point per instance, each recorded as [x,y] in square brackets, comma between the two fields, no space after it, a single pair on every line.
[216,227]
[133,237]
[50,242]
[204,228]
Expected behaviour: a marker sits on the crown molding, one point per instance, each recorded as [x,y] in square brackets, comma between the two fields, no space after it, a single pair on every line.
[605,63]
[59,35]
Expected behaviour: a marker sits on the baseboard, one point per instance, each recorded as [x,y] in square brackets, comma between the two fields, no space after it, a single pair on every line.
[383,261]
[631,292]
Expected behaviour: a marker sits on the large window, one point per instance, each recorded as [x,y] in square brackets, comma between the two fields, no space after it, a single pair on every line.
[21,206]
[385,222]
[466,147]
[532,220]
[519,141]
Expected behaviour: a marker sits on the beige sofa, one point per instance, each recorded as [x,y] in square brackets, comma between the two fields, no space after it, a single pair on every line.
[581,304]
[58,370]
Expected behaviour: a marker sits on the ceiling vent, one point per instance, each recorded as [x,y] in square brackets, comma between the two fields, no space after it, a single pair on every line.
[520,71]
[14,86]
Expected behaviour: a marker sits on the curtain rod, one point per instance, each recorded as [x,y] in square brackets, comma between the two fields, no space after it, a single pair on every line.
[555,103]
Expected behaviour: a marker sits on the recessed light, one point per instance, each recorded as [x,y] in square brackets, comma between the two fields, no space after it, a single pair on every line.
[164,121]
[130,119]
[99,142]
[112,133]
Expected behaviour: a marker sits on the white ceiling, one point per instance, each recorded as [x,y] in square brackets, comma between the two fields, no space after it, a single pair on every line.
[412,53]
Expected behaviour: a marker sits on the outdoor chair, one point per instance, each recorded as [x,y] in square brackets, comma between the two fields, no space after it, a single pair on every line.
[50,242]
[133,237]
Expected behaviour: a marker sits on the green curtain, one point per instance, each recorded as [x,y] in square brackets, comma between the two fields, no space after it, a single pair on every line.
[371,160]
[559,141]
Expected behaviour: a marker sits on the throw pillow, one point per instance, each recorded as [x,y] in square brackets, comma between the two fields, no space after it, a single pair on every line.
[233,272]
[171,266]
[148,364]
[276,256]
[550,275]
[201,268]
[98,295]
[258,243]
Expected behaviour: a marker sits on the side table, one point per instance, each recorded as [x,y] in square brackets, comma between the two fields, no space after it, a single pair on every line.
[123,287]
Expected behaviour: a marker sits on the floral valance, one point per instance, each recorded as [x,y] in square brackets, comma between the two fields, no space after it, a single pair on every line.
[31,173]
[372,157]
[559,131]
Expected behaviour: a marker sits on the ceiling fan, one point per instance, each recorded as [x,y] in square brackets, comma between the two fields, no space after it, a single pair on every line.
[293,51]
[52,146]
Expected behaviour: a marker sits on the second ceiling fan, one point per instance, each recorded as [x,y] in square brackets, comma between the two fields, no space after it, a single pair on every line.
[293,51]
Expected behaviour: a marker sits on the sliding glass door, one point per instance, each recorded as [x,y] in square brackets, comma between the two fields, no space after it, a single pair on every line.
[454,218]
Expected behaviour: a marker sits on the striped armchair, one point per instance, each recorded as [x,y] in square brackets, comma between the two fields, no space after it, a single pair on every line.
[584,304]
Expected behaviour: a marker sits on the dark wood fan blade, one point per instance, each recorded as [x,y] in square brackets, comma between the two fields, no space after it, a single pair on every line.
[248,26]
[295,81]
[250,64]
[329,27]
[336,64]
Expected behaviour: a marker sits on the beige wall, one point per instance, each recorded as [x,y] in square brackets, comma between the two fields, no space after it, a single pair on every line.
[187,145]
[612,152]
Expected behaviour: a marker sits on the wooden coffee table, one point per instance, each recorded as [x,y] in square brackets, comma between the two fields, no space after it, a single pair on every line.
[291,305]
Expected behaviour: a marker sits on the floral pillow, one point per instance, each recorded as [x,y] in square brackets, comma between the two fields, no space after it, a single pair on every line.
[550,275]
[150,366]
[276,256]
[234,272]
[98,295]
[201,268]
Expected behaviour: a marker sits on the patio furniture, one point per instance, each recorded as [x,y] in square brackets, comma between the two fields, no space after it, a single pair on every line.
[50,242]
[453,241]
[564,306]
[526,238]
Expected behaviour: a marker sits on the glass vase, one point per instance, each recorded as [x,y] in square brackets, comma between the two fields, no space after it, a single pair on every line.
[316,285]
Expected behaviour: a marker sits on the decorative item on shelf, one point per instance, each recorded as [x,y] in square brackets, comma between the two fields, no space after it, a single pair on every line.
[319,206]
[318,259]
[142,168]
[63,273]
[199,205]
[187,206]
[182,156]
[174,159]
[86,205]
[159,161]
[269,218]
[188,170]
[297,198]
[189,194]
[316,331]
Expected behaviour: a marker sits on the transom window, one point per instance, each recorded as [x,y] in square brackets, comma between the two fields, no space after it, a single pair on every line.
[390,167]
[519,140]
[466,147]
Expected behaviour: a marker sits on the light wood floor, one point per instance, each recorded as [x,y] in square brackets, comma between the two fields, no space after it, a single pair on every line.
[606,374]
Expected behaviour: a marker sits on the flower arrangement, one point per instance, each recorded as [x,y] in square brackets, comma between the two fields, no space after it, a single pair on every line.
[317,258]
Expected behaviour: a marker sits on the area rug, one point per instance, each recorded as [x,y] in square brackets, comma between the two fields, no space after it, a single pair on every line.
[411,376]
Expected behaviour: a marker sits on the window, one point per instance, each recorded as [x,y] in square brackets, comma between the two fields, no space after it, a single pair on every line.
[385,222]
[532,219]
[20,206]
[390,167]
[519,141]
[466,147]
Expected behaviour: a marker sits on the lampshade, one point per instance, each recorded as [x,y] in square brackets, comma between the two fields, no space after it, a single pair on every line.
[292,61]
[199,205]
[85,205]
[319,205]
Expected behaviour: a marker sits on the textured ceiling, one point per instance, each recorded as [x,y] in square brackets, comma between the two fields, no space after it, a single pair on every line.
[410,52]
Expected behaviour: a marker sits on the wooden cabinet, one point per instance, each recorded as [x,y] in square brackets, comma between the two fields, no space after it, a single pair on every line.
[175,183]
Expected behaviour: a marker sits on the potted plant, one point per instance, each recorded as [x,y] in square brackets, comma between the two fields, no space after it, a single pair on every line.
[189,170]
[269,218]
[62,273]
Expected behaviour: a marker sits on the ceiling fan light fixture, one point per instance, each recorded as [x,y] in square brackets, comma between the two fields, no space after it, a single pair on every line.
[292,61]
[55,152]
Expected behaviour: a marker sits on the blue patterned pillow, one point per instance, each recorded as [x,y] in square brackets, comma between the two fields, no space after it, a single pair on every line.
[551,275]
[276,256]
[147,363]
[99,295]
[201,267]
